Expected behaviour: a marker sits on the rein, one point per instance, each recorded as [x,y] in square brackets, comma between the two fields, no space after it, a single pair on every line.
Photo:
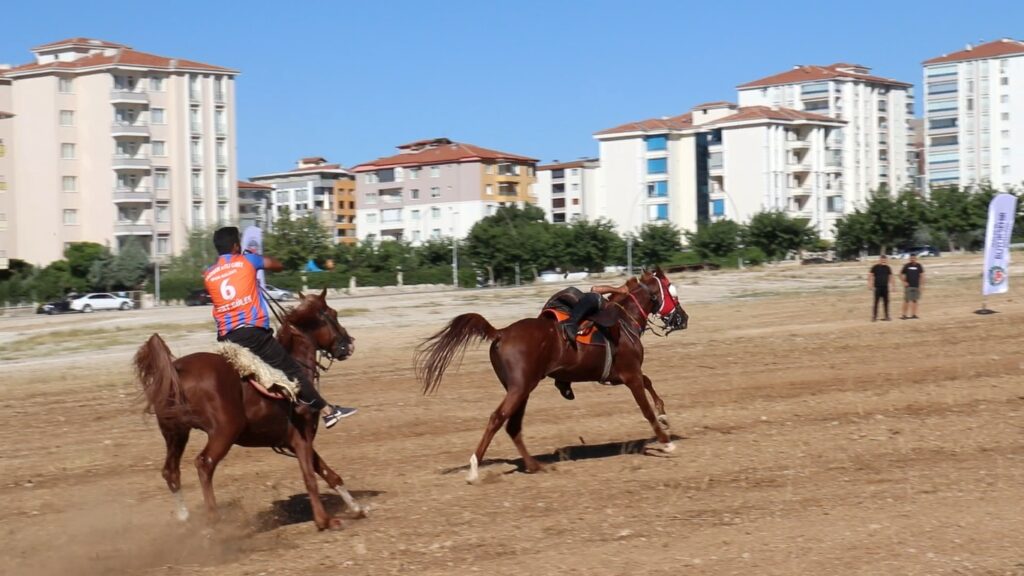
[280,314]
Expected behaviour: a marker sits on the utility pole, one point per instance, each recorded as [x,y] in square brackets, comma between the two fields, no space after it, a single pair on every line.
[629,254]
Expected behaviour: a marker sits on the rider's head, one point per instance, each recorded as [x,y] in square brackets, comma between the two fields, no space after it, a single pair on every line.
[226,240]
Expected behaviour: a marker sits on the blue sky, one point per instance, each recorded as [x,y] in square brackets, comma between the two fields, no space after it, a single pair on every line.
[350,80]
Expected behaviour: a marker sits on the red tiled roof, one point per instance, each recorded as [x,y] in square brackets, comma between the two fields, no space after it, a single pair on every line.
[312,160]
[318,168]
[747,113]
[563,165]
[818,73]
[420,143]
[718,104]
[681,122]
[453,152]
[79,41]
[125,57]
[242,184]
[1003,47]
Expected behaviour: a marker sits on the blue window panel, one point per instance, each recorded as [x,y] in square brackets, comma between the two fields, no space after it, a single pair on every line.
[815,88]
[948,105]
[656,143]
[942,87]
[657,189]
[718,207]
[946,70]
[657,212]
[657,165]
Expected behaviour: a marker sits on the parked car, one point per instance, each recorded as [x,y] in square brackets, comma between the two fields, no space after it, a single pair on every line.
[919,251]
[278,293]
[100,301]
[198,297]
[57,306]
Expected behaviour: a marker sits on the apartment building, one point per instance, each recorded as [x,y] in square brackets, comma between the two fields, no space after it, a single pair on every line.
[974,114]
[565,189]
[437,188]
[309,188]
[254,205]
[345,210]
[6,204]
[875,140]
[111,145]
[717,161]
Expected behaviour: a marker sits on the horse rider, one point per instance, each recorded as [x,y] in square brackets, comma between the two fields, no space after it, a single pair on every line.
[590,303]
[243,317]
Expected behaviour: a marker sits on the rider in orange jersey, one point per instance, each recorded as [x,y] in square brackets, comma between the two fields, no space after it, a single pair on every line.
[243,317]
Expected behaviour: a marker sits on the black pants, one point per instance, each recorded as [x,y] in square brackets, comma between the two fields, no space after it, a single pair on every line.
[881,293]
[588,304]
[263,344]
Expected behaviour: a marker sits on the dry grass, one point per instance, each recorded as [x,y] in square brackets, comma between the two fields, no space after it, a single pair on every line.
[80,339]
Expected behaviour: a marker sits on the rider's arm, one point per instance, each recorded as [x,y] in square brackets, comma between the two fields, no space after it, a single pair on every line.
[271,264]
[610,289]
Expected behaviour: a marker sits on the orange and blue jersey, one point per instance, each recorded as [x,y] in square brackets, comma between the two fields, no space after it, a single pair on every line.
[235,292]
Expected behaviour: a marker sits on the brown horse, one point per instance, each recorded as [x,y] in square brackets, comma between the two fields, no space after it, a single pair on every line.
[531,349]
[204,391]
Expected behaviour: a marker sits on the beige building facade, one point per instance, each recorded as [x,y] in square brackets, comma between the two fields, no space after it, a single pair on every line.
[112,145]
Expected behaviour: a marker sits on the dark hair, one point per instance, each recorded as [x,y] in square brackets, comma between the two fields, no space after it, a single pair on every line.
[224,239]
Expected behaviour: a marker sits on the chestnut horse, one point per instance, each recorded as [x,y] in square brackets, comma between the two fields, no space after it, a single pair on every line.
[204,391]
[531,349]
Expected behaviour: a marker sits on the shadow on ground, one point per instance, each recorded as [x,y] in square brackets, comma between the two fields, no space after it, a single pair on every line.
[296,509]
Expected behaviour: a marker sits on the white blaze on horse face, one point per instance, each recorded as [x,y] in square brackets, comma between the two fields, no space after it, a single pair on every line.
[474,473]
[181,511]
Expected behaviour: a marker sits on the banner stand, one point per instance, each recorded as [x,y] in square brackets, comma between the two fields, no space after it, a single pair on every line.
[985,310]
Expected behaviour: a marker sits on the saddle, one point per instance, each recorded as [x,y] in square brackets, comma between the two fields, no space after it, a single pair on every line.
[265,379]
[600,329]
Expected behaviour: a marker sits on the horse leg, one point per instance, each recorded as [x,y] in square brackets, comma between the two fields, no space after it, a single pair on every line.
[513,398]
[337,484]
[636,386]
[176,439]
[303,449]
[216,449]
[659,404]
[515,430]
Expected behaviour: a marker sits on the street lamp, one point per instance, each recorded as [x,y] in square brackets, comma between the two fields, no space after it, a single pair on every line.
[455,249]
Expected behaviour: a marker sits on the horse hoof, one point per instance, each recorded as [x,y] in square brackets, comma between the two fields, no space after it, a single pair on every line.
[331,524]
[535,468]
[362,513]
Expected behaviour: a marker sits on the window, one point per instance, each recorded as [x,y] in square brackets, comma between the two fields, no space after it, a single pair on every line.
[656,143]
[223,213]
[1004,116]
[575,171]
[435,212]
[834,203]
[68,183]
[435,192]
[416,236]
[370,197]
[657,166]
[1004,99]
[657,212]
[507,169]
[414,173]
[195,119]
[222,153]
[489,190]
[371,217]
[156,115]
[156,83]
[163,244]
[415,214]
[575,187]
[657,189]
[435,234]
[718,207]
[160,179]
[64,85]
[435,171]
[163,213]
[1005,134]
[197,151]
[414,193]
[220,121]
[70,216]
[197,215]
[197,183]
[67,117]
[391,215]
[222,185]
[193,87]
[1004,81]
[67,151]
[159,148]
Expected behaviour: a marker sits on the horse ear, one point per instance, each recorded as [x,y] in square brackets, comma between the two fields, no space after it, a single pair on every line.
[301,295]
[323,293]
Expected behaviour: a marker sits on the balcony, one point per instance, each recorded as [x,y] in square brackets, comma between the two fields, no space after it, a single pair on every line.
[197,160]
[130,162]
[128,96]
[801,191]
[218,97]
[163,227]
[137,194]
[802,166]
[197,193]
[195,128]
[222,130]
[133,228]
[222,161]
[126,128]
[797,144]
[194,95]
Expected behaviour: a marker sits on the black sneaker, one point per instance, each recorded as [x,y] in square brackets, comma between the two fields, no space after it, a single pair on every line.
[904,317]
[338,413]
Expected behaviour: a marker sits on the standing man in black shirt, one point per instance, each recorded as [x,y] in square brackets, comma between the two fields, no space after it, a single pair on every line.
[913,281]
[880,278]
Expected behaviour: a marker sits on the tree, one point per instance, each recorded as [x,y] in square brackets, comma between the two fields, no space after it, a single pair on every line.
[81,256]
[129,267]
[657,243]
[776,234]
[53,282]
[512,236]
[884,223]
[295,241]
[715,239]
[586,245]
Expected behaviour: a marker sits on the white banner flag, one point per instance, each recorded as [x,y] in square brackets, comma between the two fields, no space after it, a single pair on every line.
[1001,213]
[252,241]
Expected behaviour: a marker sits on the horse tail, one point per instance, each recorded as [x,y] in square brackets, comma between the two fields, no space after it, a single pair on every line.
[158,378]
[436,353]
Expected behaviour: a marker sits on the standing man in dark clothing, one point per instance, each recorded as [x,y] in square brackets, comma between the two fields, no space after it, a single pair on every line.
[880,279]
[913,281]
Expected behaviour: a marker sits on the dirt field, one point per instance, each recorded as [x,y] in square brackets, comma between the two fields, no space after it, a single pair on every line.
[813,442]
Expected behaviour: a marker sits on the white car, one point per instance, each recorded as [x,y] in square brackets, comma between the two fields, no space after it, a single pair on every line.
[100,301]
[278,293]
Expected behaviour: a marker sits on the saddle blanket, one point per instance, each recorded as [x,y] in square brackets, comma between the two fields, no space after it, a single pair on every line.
[261,375]
[588,334]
